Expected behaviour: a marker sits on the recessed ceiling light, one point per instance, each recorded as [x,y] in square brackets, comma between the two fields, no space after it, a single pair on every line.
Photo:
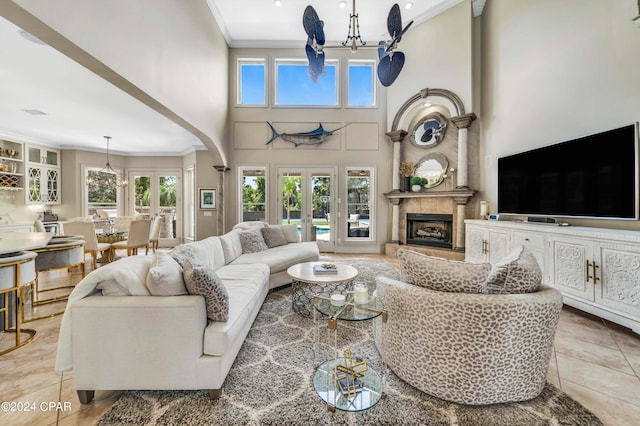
[277,2]
[409,5]
[342,4]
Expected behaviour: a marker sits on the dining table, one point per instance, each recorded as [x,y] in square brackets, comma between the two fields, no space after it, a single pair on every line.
[111,237]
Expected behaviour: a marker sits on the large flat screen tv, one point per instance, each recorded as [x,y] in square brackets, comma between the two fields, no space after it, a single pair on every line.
[593,176]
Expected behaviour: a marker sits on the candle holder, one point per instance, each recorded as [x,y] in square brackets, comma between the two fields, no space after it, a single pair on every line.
[360,293]
[484,210]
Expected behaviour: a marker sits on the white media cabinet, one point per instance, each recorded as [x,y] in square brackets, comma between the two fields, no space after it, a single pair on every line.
[597,270]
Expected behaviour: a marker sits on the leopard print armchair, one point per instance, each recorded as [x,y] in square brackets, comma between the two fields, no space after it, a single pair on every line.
[468,348]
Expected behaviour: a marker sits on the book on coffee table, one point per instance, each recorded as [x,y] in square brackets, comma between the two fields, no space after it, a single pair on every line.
[325,268]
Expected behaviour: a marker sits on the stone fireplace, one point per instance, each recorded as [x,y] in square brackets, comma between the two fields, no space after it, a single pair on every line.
[443,206]
[433,230]
[451,201]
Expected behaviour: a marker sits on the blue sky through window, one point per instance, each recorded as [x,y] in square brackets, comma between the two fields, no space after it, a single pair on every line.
[361,85]
[252,84]
[296,88]
[251,181]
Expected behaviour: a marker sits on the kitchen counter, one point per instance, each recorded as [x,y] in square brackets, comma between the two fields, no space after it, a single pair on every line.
[17,227]
[11,242]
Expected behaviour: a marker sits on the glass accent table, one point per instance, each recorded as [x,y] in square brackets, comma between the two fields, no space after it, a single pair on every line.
[373,382]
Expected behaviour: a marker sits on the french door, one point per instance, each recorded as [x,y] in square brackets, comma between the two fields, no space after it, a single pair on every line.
[158,193]
[306,196]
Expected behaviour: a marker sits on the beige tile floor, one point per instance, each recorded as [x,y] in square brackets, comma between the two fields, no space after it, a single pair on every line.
[594,361]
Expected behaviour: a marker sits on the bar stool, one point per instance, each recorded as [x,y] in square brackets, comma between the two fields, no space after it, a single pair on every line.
[60,253]
[16,271]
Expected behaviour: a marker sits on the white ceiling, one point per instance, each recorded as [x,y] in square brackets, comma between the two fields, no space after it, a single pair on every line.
[80,108]
[244,22]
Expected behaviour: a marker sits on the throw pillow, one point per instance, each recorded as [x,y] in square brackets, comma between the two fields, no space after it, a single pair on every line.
[227,248]
[203,281]
[182,253]
[231,246]
[250,224]
[290,233]
[165,277]
[252,242]
[518,272]
[273,237]
[440,274]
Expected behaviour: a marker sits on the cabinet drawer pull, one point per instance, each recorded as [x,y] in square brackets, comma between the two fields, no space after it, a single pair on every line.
[586,271]
[526,239]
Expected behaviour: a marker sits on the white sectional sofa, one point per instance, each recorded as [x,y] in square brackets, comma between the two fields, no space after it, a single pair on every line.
[162,338]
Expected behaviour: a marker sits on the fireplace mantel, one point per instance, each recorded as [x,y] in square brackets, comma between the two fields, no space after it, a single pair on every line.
[460,196]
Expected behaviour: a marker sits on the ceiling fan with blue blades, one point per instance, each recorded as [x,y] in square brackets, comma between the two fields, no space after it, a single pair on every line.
[391,61]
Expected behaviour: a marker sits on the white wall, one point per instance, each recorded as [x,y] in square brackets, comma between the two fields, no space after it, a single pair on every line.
[169,54]
[173,51]
[552,71]
[438,56]
[360,144]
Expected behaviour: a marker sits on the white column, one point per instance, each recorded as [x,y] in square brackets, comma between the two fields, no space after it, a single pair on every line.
[396,136]
[460,217]
[395,218]
[395,177]
[462,122]
[463,159]
[220,201]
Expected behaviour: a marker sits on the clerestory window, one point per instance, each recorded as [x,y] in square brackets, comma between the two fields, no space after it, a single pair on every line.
[251,82]
[295,88]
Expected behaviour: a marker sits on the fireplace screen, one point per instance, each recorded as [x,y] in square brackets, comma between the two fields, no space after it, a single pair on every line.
[433,230]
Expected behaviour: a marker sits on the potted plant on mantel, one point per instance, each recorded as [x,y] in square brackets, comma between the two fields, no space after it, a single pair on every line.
[406,171]
[417,182]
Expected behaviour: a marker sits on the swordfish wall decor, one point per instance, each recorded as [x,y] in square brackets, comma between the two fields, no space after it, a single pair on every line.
[313,137]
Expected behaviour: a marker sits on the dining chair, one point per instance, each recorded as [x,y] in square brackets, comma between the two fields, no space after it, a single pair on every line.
[121,223]
[38,226]
[139,231]
[154,234]
[102,214]
[88,231]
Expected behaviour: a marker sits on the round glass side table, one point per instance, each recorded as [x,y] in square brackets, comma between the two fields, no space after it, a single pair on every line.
[365,385]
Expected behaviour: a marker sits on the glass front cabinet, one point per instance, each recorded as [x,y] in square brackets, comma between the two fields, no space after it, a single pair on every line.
[43,175]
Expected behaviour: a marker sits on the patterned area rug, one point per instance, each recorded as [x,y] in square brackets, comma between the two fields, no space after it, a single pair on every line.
[270,384]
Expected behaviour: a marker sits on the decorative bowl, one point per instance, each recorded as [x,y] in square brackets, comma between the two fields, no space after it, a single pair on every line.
[11,152]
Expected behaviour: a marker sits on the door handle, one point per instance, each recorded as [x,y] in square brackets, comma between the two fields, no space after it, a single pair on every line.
[594,271]
[586,270]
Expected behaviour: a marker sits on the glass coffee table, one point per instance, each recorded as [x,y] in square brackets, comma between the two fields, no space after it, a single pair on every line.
[371,382]
[306,284]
